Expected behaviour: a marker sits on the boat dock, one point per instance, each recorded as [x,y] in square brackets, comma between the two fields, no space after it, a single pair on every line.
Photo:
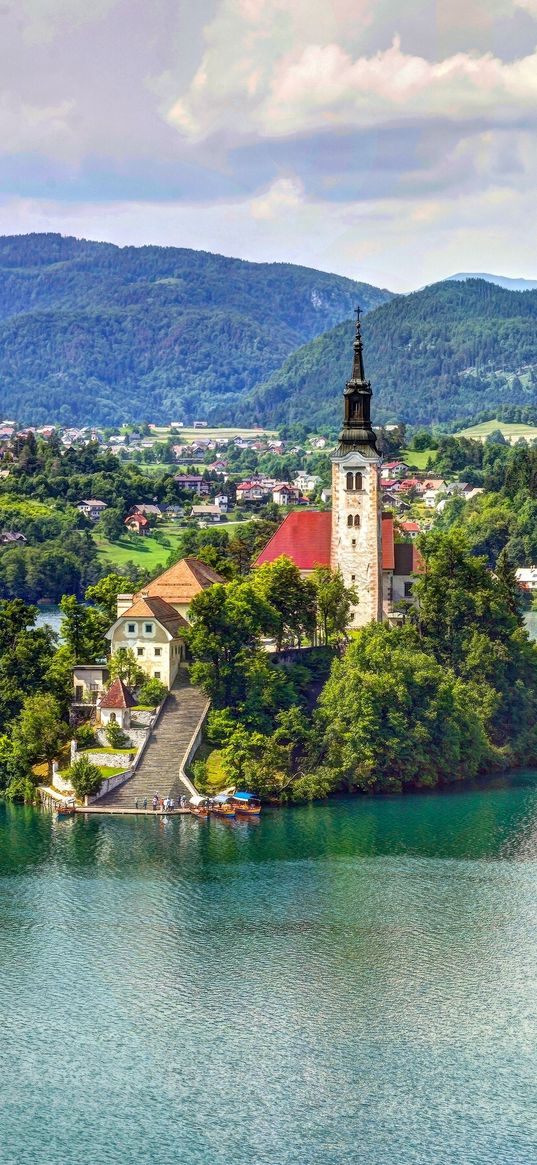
[121,811]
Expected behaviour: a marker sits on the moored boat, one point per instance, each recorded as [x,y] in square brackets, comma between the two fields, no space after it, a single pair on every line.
[221,806]
[199,806]
[246,804]
[65,809]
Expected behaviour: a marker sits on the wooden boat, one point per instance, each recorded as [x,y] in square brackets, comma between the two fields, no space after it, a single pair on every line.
[199,806]
[246,804]
[221,806]
[65,810]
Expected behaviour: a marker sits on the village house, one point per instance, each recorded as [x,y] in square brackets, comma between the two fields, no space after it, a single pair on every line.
[89,682]
[193,482]
[137,524]
[12,538]
[393,469]
[222,501]
[526,577]
[178,586]
[92,508]
[148,509]
[285,494]
[152,628]
[410,527]
[252,491]
[208,514]
[306,482]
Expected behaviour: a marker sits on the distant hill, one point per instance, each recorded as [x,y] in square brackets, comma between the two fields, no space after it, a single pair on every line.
[441,354]
[500,280]
[91,332]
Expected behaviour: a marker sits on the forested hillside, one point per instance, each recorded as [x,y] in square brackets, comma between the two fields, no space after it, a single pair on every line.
[438,355]
[91,332]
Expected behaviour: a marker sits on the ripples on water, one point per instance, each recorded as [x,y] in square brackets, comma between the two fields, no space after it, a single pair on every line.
[352,982]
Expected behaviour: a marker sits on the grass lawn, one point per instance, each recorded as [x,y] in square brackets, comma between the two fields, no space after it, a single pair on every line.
[510,432]
[108,749]
[146,553]
[106,771]
[419,460]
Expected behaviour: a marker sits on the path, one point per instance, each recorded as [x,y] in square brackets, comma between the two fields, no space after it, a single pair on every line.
[160,769]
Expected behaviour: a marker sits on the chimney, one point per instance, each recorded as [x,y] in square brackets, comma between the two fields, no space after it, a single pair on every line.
[123,604]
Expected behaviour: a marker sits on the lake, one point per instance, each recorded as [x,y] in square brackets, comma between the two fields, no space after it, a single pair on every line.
[347,982]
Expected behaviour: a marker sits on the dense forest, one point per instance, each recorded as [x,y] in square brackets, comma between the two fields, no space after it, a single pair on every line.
[438,355]
[94,333]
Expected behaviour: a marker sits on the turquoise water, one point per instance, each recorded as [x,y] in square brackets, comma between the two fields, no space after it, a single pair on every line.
[345,983]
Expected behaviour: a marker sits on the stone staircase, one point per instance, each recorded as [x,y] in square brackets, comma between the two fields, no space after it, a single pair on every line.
[160,768]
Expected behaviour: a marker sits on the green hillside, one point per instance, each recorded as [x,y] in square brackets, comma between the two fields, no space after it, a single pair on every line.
[441,354]
[91,332]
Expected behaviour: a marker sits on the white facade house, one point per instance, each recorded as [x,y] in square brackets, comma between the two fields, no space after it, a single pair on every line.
[92,508]
[152,628]
[526,576]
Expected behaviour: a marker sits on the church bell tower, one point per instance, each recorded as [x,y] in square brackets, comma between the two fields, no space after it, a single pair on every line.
[356,541]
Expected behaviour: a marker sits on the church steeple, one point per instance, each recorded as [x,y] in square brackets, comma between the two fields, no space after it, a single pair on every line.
[357,432]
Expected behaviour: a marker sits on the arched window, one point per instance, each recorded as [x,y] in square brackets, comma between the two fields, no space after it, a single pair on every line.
[350,481]
[349,520]
[357,481]
[356,519]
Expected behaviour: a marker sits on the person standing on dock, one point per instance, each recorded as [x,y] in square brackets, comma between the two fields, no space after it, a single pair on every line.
[136,803]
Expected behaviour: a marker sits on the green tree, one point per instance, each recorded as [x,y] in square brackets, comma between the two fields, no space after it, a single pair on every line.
[40,732]
[83,629]
[104,593]
[111,524]
[226,621]
[334,602]
[391,716]
[292,598]
[123,665]
[85,777]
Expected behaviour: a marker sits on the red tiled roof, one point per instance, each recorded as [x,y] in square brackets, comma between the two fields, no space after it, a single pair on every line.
[138,519]
[304,537]
[410,526]
[118,696]
[388,552]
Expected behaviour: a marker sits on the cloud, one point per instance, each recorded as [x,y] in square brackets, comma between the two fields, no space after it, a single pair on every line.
[356,135]
[274,68]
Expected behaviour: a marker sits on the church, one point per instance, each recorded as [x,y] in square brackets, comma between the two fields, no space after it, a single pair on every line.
[356,538]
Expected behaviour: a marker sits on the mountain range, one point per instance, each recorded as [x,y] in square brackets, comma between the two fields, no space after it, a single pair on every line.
[94,333]
[441,354]
[500,280]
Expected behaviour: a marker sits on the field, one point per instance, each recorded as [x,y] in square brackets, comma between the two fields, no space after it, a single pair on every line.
[419,460]
[146,553]
[161,433]
[510,432]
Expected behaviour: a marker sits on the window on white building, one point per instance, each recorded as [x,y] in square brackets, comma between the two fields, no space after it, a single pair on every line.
[158,651]
[149,628]
[140,651]
[131,628]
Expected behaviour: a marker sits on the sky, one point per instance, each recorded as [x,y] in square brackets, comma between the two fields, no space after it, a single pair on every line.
[391,142]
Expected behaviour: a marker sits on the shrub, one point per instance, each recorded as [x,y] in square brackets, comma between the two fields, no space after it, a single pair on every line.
[85,736]
[85,777]
[152,692]
[115,735]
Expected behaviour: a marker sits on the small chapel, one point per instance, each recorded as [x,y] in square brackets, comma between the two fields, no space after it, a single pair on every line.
[356,538]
